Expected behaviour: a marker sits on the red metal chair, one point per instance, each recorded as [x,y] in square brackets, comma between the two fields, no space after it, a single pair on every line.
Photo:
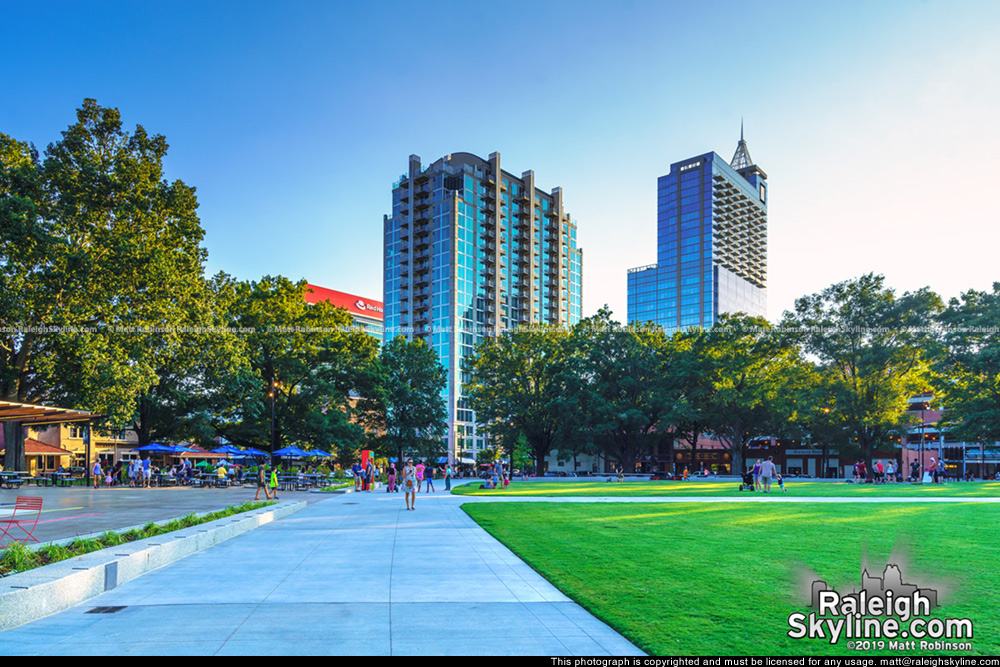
[26,506]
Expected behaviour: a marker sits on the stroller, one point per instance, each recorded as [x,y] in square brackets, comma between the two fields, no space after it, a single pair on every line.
[747,484]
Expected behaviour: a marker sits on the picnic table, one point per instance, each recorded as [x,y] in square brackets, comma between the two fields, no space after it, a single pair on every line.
[313,479]
[288,482]
[12,478]
[60,478]
[163,479]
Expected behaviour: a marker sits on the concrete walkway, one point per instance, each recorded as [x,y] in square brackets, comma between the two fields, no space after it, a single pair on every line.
[351,575]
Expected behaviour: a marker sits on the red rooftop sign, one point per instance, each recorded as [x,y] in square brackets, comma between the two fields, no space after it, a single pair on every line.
[354,304]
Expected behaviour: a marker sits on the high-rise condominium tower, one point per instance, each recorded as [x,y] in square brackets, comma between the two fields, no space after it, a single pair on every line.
[471,250]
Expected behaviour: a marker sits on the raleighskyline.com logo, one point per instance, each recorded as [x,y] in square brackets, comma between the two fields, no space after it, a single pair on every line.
[885,614]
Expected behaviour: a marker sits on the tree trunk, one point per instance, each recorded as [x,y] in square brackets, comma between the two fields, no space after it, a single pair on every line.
[738,466]
[13,439]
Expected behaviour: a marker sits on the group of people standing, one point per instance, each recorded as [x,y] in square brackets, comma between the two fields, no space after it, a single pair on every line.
[364,475]
[140,471]
[412,479]
[882,473]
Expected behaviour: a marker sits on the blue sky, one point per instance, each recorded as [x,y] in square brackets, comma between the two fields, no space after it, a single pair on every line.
[875,121]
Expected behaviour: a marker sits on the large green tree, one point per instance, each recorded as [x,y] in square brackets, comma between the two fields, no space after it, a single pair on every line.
[627,389]
[203,370]
[310,356]
[751,372]
[402,402]
[95,247]
[875,345]
[971,365]
[520,385]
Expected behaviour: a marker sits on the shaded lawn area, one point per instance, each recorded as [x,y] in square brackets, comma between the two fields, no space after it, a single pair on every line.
[712,579]
[731,489]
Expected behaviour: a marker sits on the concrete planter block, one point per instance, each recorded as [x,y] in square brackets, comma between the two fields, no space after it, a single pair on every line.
[31,595]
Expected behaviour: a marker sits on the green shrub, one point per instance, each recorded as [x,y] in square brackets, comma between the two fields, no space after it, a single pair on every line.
[18,558]
[110,539]
[52,553]
[79,546]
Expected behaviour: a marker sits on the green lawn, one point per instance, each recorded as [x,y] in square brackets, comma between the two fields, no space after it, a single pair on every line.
[731,488]
[710,579]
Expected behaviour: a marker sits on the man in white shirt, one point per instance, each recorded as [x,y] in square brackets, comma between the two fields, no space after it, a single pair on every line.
[767,473]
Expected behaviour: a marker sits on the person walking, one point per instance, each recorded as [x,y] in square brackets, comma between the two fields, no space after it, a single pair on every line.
[262,483]
[767,473]
[98,473]
[274,483]
[756,476]
[429,478]
[419,468]
[410,485]
[390,478]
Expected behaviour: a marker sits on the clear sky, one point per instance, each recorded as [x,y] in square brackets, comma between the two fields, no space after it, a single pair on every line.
[876,122]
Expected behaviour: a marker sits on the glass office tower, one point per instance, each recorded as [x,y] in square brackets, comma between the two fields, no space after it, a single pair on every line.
[471,250]
[711,244]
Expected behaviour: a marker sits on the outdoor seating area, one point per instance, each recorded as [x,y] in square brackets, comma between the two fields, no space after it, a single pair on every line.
[163,466]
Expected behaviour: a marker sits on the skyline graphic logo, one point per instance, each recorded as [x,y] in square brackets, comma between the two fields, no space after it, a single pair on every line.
[887,612]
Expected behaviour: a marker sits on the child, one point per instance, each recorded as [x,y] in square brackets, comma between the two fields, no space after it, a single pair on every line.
[781,483]
[506,480]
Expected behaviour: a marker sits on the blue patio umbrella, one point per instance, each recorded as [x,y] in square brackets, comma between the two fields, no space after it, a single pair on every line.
[229,449]
[290,451]
[255,452]
[318,452]
[156,448]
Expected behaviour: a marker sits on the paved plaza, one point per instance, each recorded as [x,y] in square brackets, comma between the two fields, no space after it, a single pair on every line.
[353,574]
[77,511]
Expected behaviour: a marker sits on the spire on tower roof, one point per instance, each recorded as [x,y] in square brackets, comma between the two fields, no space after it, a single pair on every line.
[741,159]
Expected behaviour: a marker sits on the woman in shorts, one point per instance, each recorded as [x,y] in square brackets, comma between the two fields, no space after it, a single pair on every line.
[410,484]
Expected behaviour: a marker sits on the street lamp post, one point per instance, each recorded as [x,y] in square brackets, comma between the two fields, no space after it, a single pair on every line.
[826,439]
[923,436]
[273,390]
